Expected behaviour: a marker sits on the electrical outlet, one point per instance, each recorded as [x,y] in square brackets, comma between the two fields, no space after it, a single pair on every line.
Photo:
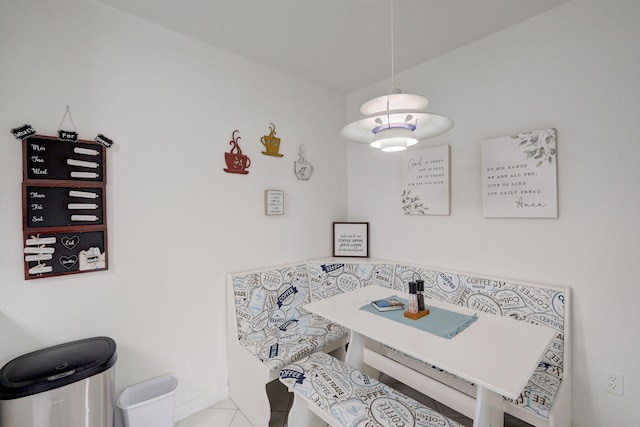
[613,382]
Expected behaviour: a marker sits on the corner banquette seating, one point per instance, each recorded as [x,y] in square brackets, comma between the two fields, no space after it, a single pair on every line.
[268,329]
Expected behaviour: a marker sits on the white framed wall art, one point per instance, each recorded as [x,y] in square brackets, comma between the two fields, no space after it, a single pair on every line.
[426,181]
[273,202]
[519,175]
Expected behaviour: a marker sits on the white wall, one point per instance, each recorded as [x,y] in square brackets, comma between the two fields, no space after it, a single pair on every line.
[575,68]
[177,222]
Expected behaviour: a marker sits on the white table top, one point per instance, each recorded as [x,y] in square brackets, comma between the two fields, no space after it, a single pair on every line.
[498,353]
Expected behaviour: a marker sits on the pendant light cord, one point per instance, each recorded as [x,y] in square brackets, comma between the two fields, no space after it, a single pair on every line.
[393,75]
[393,78]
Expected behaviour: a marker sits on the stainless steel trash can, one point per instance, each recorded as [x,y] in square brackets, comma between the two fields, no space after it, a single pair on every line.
[68,385]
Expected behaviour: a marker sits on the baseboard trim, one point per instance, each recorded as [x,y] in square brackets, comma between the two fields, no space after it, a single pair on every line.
[200,404]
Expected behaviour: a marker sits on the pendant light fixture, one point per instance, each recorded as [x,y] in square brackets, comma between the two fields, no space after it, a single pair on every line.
[396,121]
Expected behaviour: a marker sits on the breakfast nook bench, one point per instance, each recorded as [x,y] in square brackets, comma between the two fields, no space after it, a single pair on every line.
[326,390]
[268,328]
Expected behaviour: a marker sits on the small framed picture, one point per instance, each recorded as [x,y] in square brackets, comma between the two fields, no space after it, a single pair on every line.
[351,239]
[273,202]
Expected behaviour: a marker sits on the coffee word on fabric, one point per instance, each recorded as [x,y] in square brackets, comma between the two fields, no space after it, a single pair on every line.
[236,161]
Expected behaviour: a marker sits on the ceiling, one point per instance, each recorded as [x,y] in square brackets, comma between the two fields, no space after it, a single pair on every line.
[341,44]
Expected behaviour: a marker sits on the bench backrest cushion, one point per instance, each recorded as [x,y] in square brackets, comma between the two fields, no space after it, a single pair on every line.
[540,391]
[269,299]
[328,279]
[530,303]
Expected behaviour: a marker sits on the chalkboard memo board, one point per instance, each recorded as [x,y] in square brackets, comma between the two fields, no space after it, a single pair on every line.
[64,253]
[63,207]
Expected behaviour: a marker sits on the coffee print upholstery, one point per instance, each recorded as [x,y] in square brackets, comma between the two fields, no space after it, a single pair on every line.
[531,304]
[352,398]
[328,279]
[272,325]
[267,319]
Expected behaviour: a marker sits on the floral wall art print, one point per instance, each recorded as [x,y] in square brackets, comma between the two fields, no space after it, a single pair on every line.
[519,175]
[425,181]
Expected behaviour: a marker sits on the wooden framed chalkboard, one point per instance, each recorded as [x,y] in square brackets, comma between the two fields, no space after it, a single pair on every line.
[48,158]
[63,207]
[57,206]
[64,253]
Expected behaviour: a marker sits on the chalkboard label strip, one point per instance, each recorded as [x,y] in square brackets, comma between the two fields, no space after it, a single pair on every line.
[37,241]
[38,257]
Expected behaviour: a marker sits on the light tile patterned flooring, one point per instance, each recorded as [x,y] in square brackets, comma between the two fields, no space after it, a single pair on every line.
[225,414]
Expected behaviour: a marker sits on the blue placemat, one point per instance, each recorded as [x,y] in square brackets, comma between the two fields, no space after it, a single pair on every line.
[441,322]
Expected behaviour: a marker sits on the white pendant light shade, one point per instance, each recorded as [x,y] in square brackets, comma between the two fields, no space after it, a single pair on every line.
[394,101]
[394,139]
[396,121]
[379,123]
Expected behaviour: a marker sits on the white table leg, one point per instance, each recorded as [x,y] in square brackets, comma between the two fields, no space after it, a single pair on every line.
[355,354]
[489,409]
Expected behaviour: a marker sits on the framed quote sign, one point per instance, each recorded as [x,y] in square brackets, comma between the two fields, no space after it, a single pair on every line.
[425,181]
[351,239]
[519,175]
[273,202]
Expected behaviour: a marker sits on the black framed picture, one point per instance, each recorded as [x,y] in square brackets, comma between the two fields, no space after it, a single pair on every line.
[351,239]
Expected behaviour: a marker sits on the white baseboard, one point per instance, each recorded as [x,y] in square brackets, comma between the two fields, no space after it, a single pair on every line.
[194,406]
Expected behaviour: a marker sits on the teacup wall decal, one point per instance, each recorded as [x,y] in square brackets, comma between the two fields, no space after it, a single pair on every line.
[271,142]
[236,161]
[302,167]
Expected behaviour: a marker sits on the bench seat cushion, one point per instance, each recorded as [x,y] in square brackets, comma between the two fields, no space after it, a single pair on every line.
[277,346]
[354,399]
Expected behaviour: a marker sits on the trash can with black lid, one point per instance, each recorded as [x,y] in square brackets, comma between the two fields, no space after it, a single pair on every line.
[67,385]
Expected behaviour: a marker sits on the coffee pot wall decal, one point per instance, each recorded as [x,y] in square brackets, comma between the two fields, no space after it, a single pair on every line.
[271,142]
[302,167]
[236,161]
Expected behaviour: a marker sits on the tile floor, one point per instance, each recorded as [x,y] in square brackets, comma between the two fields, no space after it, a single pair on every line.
[225,414]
